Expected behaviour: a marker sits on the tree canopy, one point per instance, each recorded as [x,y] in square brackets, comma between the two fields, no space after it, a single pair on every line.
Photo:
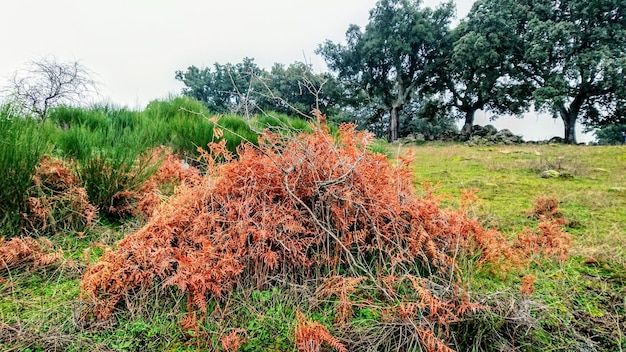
[384,65]
[575,54]
[245,88]
[225,88]
[564,57]
[478,59]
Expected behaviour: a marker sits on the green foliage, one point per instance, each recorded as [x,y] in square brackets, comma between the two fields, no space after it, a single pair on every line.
[67,117]
[109,146]
[477,66]
[22,143]
[296,90]
[225,88]
[611,135]
[389,60]
[112,179]
[244,88]
[236,131]
[430,118]
[272,313]
[280,123]
[181,123]
[576,54]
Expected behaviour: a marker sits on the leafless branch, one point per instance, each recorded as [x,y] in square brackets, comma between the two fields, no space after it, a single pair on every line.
[46,83]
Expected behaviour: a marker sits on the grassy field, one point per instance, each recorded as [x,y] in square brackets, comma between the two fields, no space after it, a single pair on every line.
[585,296]
[578,304]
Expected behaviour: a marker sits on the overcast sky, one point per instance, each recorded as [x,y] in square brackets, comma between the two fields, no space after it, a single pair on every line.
[134,47]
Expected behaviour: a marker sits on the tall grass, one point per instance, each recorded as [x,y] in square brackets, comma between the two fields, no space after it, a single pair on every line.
[109,145]
[280,123]
[22,143]
[237,131]
[179,124]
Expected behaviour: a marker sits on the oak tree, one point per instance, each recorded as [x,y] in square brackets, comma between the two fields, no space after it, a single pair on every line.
[478,62]
[384,65]
[225,87]
[576,56]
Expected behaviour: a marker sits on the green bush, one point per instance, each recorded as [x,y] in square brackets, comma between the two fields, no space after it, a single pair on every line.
[67,117]
[180,123]
[109,145]
[22,143]
[281,122]
[237,130]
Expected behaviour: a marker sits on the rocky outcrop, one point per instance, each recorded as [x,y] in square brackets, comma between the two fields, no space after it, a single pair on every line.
[481,136]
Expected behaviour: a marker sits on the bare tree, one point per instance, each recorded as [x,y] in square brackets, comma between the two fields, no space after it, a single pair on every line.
[45,83]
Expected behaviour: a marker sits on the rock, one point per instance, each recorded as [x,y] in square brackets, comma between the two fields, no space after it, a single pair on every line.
[505,133]
[490,129]
[478,130]
[550,174]
[556,140]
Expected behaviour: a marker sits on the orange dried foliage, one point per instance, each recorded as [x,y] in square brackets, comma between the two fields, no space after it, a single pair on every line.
[57,201]
[339,287]
[299,206]
[545,206]
[548,239]
[432,343]
[19,252]
[310,336]
[469,197]
[528,284]
[143,199]
[170,174]
[232,341]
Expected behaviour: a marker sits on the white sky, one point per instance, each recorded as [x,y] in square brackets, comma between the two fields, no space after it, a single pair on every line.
[134,47]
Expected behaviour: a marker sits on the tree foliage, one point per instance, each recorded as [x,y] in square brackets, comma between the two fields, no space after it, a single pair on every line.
[298,89]
[384,65]
[225,88]
[611,134]
[575,52]
[478,63]
[246,88]
[564,57]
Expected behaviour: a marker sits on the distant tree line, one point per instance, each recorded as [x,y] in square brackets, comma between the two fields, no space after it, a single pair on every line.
[408,68]
[245,88]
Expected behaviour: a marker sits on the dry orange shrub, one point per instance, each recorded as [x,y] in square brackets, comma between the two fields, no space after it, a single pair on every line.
[545,206]
[232,341]
[158,187]
[548,239]
[310,336]
[57,201]
[18,252]
[528,284]
[170,174]
[299,206]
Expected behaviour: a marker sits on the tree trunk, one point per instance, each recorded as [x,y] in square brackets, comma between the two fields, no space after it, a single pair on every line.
[394,124]
[570,131]
[569,117]
[469,123]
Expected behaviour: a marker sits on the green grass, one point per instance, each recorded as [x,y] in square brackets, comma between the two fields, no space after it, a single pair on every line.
[584,296]
[22,143]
